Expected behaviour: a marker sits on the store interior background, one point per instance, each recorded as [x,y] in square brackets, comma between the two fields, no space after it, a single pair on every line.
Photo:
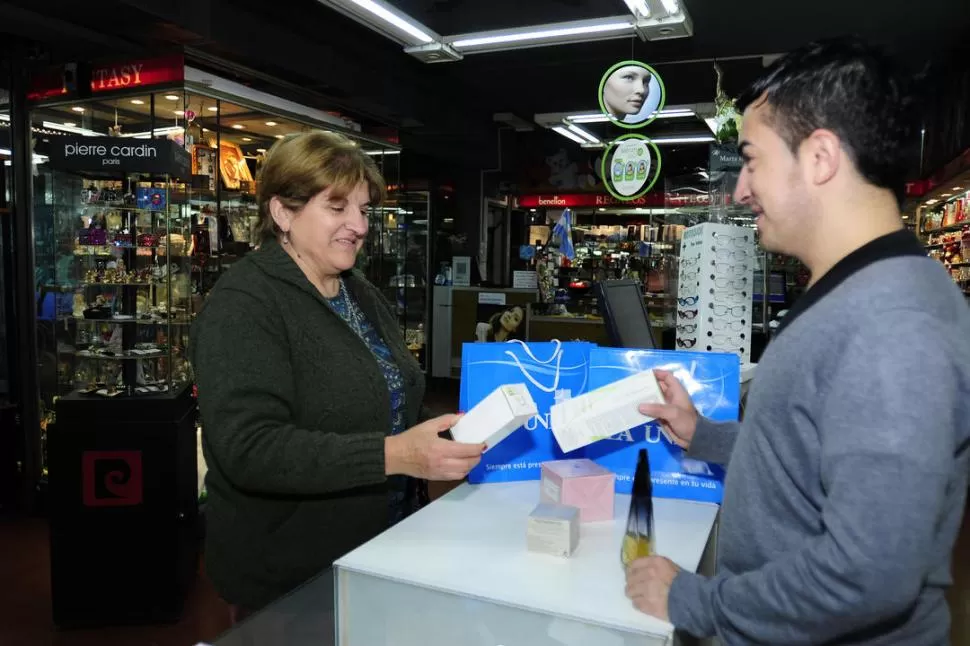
[458,139]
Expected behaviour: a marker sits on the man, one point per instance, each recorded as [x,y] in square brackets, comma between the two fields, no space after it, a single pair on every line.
[848,477]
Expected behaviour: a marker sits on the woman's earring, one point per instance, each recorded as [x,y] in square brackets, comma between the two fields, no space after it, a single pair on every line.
[286,237]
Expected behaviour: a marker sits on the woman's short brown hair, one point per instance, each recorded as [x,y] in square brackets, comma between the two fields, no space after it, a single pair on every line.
[300,166]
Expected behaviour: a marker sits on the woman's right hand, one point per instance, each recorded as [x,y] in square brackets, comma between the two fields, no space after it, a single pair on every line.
[420,452]
[678,415]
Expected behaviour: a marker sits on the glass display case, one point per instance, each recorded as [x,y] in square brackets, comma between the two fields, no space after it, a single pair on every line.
[112,251]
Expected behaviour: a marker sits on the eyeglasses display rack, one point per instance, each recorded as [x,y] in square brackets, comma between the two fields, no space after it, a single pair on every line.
[714,295]
[114,252]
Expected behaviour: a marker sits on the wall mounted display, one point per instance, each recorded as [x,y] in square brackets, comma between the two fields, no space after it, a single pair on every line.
[631,166]
[631,94]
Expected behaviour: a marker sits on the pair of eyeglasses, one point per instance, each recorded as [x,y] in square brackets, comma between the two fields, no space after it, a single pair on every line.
[690,315]
[686,343]
[726,241]
[724,268]
[724,310]
[727,254]
[690,300]
[721,324]
[733,283]
[723,338]
[728,297]
[687,328]
[689,262]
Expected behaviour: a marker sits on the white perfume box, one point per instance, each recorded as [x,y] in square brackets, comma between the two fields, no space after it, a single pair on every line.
[553,529]
[604,412]
[494,418]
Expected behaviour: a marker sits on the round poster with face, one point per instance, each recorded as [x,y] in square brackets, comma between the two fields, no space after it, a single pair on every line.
[631,94]
[631,166]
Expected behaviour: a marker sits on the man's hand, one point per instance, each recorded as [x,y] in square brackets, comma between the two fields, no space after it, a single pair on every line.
[648,582]
[678,415]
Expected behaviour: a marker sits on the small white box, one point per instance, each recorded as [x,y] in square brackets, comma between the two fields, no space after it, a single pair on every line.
[604,412]
[553,529]
[494,418]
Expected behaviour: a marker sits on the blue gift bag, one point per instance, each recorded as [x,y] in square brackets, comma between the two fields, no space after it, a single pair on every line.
[552,371]
[714,383]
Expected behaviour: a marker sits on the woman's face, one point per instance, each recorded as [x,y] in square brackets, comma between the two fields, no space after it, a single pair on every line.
[625,90]
[512,318]
[328,231]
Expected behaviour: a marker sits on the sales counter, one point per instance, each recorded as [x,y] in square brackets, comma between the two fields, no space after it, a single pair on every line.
[458,572]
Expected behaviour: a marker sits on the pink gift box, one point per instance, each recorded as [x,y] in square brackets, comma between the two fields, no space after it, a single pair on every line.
[579,483]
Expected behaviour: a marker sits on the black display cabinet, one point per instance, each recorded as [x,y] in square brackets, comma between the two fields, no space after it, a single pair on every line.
[113,247]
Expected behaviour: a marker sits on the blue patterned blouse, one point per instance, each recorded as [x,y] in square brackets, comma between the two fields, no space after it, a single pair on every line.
[403,500]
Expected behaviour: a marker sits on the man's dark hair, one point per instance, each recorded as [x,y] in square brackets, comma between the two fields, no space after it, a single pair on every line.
[854,90]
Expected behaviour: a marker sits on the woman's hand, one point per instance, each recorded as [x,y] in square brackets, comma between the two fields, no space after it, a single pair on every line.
[419,452]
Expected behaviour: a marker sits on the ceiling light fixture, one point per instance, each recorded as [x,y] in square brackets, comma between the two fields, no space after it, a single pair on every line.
[279,136]
[582,132]
[260,150]
[638,7]
[694,139]
[566,32]
[568,135]
[137,102]
[212,108]
[77,108]
[672,6]
[599,117]
[238,126]
[270,123]
[382,152]
[179,113]
[957,188]
[69,124]
[172,97]
[247,139]
[405,30]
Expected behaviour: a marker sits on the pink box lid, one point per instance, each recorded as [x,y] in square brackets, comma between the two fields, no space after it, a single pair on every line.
[583,468]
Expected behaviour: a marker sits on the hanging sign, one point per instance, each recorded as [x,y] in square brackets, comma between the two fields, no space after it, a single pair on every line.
[631,94]
[120,155]
[631,166]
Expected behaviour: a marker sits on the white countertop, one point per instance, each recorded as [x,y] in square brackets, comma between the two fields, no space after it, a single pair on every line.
[472,542]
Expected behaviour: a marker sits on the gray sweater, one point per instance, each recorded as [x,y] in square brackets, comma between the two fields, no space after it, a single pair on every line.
[848,476]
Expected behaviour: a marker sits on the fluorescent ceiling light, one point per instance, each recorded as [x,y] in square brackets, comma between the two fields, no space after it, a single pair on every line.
[270,123]
[695,139]
[672,6]
[77,108]
[563,32]
[167,130]
[137,102]
[63,127]
[238,126]
[172,97]
[4,117]
[585,134]
[179,113]
[212,108]
[387,15]
[382,152]
[638,7]
[599,117]
[568,135]
[931,202]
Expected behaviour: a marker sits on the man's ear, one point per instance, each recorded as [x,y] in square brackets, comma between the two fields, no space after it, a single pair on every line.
[282,216]
[823,151]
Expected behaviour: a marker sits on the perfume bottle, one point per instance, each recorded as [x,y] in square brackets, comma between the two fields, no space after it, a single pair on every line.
[638,541]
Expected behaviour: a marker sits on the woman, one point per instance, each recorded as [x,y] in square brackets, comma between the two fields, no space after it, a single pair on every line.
[309,396]
[625,92]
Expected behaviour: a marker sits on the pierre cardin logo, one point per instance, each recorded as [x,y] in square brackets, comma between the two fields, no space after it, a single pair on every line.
[111,478]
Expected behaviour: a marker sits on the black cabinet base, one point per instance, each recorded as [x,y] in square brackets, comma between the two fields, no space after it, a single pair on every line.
[123,510]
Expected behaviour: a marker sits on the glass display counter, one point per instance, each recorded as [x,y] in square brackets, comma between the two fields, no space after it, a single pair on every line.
[458,572]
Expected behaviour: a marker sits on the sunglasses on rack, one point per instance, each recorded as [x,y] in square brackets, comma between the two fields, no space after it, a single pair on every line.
[686,343]
[687,314]
[688,301]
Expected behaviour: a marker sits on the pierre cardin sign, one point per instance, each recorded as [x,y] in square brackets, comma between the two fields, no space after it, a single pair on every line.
[123,155]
